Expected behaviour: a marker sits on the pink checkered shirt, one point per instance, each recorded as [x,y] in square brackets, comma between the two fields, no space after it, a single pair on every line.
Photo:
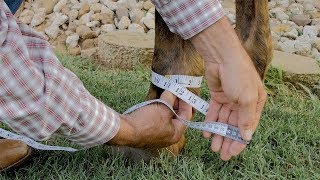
[189,17]
[39,97]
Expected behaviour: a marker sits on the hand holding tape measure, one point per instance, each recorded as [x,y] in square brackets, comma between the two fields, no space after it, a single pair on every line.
[176,84]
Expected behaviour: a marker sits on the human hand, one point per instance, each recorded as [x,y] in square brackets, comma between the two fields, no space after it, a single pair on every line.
[153,126]
[237,93]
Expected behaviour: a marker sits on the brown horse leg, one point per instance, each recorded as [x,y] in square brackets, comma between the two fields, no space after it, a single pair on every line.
[173,55]
[252,27]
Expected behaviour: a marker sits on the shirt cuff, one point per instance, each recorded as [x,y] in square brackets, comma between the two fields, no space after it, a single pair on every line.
[189,17]
[98,125]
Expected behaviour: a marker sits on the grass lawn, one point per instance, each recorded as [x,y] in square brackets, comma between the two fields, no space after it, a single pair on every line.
[285,146]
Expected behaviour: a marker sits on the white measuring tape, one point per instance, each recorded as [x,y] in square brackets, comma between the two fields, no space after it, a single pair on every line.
[176,84]
[199,104]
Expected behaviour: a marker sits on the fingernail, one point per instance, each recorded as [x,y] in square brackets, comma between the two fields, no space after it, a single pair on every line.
[247,135]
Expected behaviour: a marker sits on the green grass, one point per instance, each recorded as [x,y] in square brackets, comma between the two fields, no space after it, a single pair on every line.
[285,146]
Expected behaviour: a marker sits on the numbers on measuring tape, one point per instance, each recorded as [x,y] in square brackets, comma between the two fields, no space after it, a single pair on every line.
[172,86]
[198,103]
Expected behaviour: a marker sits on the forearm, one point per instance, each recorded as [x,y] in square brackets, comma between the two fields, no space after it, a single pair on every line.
[126,135]
[219,43]
[39,97]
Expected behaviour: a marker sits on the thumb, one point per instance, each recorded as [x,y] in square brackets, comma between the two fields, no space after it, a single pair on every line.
[184,110]
[168,97]
[247,118]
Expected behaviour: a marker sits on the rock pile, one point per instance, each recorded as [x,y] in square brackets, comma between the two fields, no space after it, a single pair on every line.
[78,23]
[295,26]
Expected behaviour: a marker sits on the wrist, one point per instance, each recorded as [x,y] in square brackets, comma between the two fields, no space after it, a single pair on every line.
[217,41]
[126,135]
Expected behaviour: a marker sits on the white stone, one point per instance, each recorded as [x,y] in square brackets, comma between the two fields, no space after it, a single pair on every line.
[72,41]
[68,33]
[275,36]
[287,46]
[74,2]
[293,34]
[60,19]
[38,17]
[133,4]
[105,9]
[136,28]
[309,7]
[283,3]
[314,52]
[281,15]
[122,11]
[86,18]
[26,16]
[152,10]
[272,4]
[108,28]
[136,15]
[123,3]
[92,1]
[149,22]
[148,5]
[93,24]
[295,9]
[96,7]
[150,15]
[60,5]
[110,4]
[52,31]
[97,30]
[311,31]
[316,44]
[303,45]
[124,23]
[73,14]
[315,22]
[116,21]
[76,6]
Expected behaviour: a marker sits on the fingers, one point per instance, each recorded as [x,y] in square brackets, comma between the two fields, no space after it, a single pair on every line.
[223,117]
[247,115]
[261,103]
[179,130]
[212,115]
[235,148]
[224,153]
[184,110]
[168,97]
[185,113]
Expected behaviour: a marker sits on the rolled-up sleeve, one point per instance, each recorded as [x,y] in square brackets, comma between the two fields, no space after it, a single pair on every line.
[39,97]
[189,17]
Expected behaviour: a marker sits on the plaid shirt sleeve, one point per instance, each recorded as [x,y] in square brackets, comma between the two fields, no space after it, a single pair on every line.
[189,17]
[39,97]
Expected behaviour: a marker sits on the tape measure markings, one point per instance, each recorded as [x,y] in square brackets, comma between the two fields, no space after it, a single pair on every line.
[177,85]
[199,104]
